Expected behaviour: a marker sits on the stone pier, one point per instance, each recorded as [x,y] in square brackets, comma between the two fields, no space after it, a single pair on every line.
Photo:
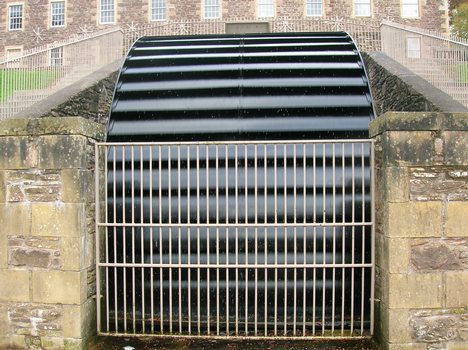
[422,230]
[47,279]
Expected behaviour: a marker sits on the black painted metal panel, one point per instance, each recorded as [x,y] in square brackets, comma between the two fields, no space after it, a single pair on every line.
[252,86]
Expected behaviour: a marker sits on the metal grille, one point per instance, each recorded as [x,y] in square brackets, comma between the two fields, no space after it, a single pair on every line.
[250,239]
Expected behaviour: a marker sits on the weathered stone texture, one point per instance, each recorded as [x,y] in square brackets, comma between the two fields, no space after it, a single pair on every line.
[36,319]
[439,255]
[33,186]
[34,252]
[439,326]
[438,183]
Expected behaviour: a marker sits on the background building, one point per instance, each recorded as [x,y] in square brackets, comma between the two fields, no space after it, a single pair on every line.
[25,24]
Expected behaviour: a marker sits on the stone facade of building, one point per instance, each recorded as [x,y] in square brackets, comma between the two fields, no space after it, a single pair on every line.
[38,28]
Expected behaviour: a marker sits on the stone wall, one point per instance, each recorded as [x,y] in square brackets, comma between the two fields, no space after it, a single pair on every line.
[47,230]
[395,88]
[422,230]
[82,16]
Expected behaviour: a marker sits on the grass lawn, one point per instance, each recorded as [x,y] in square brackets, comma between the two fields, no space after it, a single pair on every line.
[463,72]
[12,80]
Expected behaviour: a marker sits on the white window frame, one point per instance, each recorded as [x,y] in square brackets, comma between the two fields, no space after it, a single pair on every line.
[158,10]
[265,8]
[211,9]
[9,9]
[359,5]
[411,42]
[63,15]
[408,6]
[312,5]
[57,60]
[110,16]
[13,48]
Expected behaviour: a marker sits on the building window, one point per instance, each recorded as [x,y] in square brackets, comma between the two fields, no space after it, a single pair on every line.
[57,13]
[265,8]
[56,57]
[212,9]
[15,17]
[107,11]
[362,8]
[158,10]
[13,52]
[410,8]
[314,8]
[413,47]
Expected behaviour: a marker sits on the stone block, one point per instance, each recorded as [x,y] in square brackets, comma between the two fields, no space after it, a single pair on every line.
[414,219]
[457,346]
[74,344]
[78,320]
[14,285]
[15,153]
[2,187]
[52,343]
[34,252]
[407,346]
[12,342]
[398,255]
[456,147]
[457,289]
[64,287]
[3,250]
[413,291]
[429,328]
[33,185]
[397,188]
[15,219]
[36,320]
[397,323]
[58,219]
[457,219]
[4,320]
[62,152]
[435,255]
[438,183]
[403,148]
[72,253]
[78,186]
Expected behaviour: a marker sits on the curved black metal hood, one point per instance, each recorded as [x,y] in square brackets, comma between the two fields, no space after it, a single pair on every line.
[253,86]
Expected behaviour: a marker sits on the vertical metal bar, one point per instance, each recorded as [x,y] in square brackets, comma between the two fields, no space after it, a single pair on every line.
[124,233]
[217,239]
[246,241]
[161,271]
[98,247]
[179,238]
[314,201]
[198,238]
[132,191]
[343,235]
[142,241]
[324,232]
[353,231]
[189,273]
[169,207]
[275,189]
[295,238]
[114,195]
[208,237]
[151,234]
[227,236]
[334,235]
[372,189]
[363,218]
[256,239]
[304,232]
[285,204]
[265,238]
[236,185]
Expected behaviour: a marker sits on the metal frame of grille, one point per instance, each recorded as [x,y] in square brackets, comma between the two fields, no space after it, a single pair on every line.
[235,239]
